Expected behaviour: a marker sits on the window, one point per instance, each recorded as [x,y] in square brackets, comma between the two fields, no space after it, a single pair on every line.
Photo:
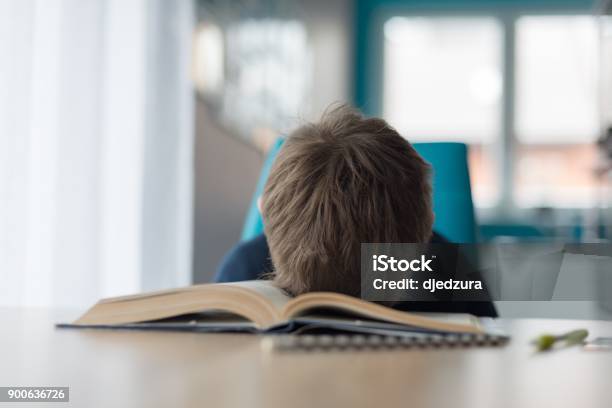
[557,118]
[605,69]
[556,79]
[442,81]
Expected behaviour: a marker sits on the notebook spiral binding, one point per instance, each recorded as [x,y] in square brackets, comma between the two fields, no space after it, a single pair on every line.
[385,342]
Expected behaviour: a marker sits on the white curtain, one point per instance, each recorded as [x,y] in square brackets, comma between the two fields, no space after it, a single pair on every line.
[95,149]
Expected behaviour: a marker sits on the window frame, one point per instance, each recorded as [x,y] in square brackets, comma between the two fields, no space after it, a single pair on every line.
[369,80]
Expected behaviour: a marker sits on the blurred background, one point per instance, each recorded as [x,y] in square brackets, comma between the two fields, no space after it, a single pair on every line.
[133,133]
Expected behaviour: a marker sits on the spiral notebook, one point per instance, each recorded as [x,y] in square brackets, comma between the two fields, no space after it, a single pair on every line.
[309,342]
[381,339]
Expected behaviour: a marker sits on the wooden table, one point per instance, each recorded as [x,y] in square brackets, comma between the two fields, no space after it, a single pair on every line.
[163,369]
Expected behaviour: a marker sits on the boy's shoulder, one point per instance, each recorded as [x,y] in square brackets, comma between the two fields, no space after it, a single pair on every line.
[247,260]
[438,239]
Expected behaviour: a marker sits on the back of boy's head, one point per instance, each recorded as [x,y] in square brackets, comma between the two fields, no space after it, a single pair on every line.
[336,184]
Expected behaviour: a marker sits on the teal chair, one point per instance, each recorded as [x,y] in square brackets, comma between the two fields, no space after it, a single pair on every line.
[452,194]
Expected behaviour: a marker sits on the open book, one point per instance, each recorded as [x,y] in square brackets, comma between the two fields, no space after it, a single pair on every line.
[259,306]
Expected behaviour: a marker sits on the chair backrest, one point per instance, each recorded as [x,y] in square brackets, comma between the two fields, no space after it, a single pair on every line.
[253,224]
[452,193]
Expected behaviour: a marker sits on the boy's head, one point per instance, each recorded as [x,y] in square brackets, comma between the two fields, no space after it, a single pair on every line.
[336,184]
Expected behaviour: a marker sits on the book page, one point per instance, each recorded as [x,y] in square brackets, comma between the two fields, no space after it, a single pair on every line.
[266,289]
[307,303]
[258,301]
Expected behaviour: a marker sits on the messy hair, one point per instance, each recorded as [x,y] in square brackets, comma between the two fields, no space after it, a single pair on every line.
[335,184]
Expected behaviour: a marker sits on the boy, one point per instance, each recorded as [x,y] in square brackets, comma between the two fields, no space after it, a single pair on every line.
[336,184]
